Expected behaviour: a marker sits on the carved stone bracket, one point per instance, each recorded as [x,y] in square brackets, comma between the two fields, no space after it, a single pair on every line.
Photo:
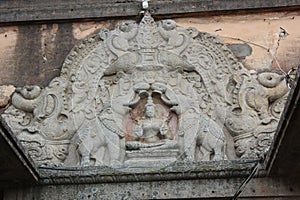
[148,93]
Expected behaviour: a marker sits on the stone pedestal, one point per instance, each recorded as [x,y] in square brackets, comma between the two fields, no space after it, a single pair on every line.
[151,157]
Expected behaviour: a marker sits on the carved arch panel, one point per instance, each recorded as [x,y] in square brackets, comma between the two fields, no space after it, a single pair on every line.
[148,94]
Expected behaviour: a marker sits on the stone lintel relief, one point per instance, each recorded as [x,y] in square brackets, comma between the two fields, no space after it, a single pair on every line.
[148,94]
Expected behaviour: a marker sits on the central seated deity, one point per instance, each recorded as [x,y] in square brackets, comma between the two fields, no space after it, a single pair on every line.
[150,128]
[152,142]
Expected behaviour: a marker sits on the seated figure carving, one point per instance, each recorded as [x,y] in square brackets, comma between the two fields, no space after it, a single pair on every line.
[150,129]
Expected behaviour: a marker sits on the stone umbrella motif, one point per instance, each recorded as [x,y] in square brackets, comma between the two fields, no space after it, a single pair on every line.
[148,94]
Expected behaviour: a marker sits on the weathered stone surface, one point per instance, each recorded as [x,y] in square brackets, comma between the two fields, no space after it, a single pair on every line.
[259,188]
[149,88]
[40,49]
[39,54]
[179,170]
[5,94]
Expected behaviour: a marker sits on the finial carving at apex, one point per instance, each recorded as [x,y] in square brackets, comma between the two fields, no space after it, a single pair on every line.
[148,94]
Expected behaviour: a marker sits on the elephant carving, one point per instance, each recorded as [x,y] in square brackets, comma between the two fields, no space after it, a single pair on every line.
[100,142]
[203,138]
[90,147]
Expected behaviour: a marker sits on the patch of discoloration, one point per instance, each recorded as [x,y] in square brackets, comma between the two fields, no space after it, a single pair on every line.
[240,50]
[27,55]
[48,39]
[39,53]
[56,42]
[85,29]
[8,40]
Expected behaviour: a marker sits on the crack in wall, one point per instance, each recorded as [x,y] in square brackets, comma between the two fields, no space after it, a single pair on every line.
[282,35]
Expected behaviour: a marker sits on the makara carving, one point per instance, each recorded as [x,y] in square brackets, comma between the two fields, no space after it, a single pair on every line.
[148,94]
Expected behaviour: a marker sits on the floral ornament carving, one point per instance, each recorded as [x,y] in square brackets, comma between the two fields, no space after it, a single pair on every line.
[148,94]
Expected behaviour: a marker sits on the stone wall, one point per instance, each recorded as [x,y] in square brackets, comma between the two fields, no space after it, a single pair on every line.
[259,189]
[33,53]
